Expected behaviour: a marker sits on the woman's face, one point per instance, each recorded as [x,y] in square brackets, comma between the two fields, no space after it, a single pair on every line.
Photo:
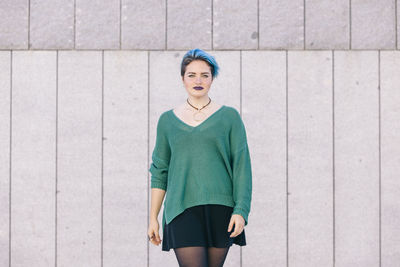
[197,78]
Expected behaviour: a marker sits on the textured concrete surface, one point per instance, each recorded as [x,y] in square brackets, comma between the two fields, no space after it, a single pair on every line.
[33,159]
[207,24]
[263,111]
[97,24]
[310,158]
[322,136]
[14,23]
[189,24]
[235,24]
[281,24]
[52,24]
[124,156]
[78,127]
[5,98]
[327,25]
[356,111]
[79,159]
[390,157]
[373,24]
[143,24]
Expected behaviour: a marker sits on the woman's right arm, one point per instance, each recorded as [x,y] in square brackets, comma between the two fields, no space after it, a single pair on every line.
[159,178]
[157,197]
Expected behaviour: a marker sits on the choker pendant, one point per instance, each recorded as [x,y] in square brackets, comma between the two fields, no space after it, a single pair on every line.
[199,116]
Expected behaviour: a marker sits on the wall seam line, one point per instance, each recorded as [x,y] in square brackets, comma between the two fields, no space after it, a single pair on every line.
[29,24]
[212,24]
[395,24]
[241,112]
[333,159]
[258,24]
[102,160]
[56,163]
[166,24]
[10,162]
[74,24]
[148,153]
[287,158]
[304,25]
[350,32]
[120,24]
[380,157]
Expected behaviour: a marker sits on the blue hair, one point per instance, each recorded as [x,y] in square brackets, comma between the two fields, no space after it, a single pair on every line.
[198,54]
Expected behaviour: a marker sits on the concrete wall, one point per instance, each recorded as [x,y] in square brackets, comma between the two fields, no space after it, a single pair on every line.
[82,84]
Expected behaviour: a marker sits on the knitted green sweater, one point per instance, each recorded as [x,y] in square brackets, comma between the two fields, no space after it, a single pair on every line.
[204,164]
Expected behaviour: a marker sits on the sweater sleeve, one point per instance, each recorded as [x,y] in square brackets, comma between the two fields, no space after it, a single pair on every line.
[160,158]
[241,169]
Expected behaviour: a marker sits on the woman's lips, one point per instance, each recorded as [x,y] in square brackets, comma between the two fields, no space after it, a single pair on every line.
[198,88]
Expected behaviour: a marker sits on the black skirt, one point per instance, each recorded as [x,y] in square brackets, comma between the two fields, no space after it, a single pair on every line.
[202,225]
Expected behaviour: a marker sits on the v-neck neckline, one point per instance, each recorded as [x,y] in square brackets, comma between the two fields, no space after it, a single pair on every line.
[197,126]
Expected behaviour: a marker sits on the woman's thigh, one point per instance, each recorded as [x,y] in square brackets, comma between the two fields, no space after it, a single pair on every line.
[201,256]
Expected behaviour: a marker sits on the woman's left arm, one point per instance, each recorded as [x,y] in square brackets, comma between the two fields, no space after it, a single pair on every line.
[242,182]
[241,168]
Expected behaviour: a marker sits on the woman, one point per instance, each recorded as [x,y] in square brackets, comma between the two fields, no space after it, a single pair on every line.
[201,162]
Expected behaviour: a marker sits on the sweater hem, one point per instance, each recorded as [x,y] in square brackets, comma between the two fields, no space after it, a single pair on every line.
[210,199]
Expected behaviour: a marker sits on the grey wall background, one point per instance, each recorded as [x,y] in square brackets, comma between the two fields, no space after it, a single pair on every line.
[82,84]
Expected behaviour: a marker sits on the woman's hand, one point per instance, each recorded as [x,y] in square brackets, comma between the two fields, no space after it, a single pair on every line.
[238,220]
[152,233]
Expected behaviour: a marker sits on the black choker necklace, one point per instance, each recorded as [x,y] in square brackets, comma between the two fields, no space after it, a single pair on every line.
[198,115]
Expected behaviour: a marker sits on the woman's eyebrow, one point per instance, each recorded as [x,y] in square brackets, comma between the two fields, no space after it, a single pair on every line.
[202,72]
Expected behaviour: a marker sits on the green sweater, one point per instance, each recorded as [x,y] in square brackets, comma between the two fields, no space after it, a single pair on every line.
[204,164]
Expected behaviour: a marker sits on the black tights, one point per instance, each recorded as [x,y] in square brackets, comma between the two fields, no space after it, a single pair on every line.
[201,256]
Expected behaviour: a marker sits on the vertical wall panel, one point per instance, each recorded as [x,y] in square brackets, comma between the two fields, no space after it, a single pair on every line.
[14,24]
[33,159]
[264,115]
[143,24]
[166,91]
[79,159]
[5,106]
[235,24]
[189,24]
[225,89]
[125,152]
[97,24]
[281,24]
[327,24]
[390,157]
[356,109]
[310,158]
[373,24]
[52,24]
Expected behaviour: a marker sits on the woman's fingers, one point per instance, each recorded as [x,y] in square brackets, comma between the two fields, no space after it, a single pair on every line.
[230,224]
[239,225]
[152,233]
[237,231]
[154,237]
[158,237]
